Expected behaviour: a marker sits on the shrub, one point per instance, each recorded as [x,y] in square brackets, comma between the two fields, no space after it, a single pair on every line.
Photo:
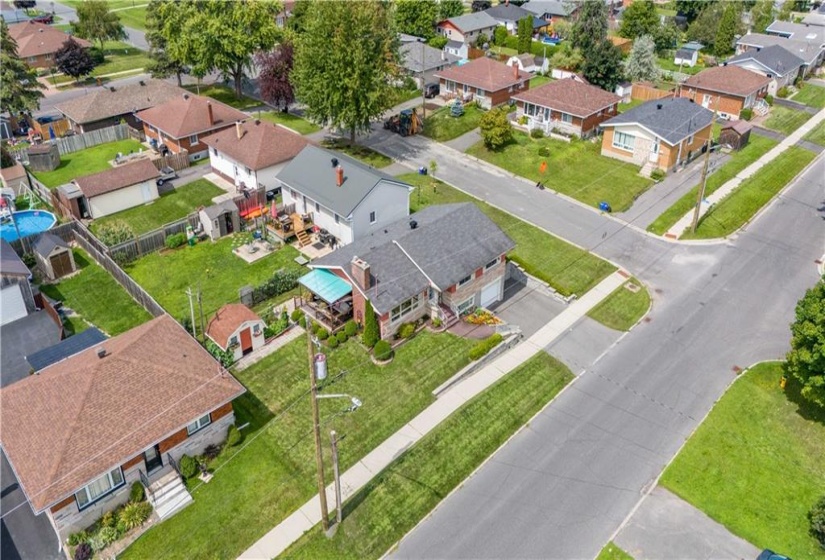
[83,551]
[406,330]
[233,436]
[29,260]
[482,348]
[109,520]
[98,56]
[783,92]
[212,450]
[544,151]
[112,233]
[97,543]
[302,322]
[78,538]
[522,120]
[817,519]
[332,342]
[297,313]
[175,240]
[188,466]
[342,336]
[437,42]
[137,493]
[108,535]
[279,283]
[536,133]
[746,114]
[495,127]
[436,322]
[351,328]
[769,100]
[135,514]
[382,350]
[225,357]
[371,330]
[322,333]
[657,174]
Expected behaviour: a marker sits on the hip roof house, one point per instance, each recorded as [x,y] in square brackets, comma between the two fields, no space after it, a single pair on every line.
[37,43]
[487,81]
[777,64]
[725,89]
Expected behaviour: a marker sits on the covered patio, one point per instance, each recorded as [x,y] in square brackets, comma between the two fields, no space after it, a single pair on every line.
[329,298]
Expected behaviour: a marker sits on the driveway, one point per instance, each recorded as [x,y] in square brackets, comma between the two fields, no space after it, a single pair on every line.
[528,307]
[23,337]
[665,526]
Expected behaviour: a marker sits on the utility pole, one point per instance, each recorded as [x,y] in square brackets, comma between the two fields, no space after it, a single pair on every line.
[705,166]
[423,86]
[333,439]
[200,305]
[316,425]
[191,311]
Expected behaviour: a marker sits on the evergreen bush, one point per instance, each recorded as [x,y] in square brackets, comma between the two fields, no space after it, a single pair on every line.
[383,350]
[188,466]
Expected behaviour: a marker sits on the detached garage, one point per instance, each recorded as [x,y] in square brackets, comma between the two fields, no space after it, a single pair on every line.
[117,189]
[54,256]
[16,298]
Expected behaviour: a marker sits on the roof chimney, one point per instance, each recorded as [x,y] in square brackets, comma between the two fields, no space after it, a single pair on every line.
[101,352]
[515,70]
[238,127]
[209,111]
[360,270]
[339,175]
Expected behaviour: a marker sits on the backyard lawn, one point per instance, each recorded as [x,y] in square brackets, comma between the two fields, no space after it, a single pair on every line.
[220,273]
[785,120]
[97,297]
[667,65]
[623,308]
[756,148]
[613,552]
[441,126]
[404,493]
[275,474]
[86,162]
[742,204]
[567,268]
[121,57]
[296,123]
[539,81]
[811,95]
[171,206]
[576,169]
[361,153]
[225,94]
[624,107]
[755,464]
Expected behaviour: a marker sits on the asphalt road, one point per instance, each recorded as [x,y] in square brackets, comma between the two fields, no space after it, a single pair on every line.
[562,487]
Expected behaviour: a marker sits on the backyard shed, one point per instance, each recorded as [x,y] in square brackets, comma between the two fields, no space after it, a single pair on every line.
[220,219]
[54,256]
[236,328]
[43,157]
[735,134]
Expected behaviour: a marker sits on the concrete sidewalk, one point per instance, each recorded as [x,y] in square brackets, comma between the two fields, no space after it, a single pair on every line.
[679,228]
[353,480]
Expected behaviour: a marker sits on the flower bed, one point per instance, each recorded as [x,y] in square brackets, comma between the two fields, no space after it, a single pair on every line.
[482,317]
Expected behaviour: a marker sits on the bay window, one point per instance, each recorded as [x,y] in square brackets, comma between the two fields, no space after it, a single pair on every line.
[99,487]
[405,308]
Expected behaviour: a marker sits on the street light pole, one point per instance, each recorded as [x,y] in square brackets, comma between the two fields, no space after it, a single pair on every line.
[701,195]
[316,424]
[333,439]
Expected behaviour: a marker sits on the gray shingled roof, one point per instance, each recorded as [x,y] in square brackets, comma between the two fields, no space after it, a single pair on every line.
[220,208]
[473,22]
[65,348]
[507,12]
[776,59]
[10,263]
[805,50]
[47,242]
[798,31]
[449,242]
[312,173]
[433,58]
[674,121]
[552,7]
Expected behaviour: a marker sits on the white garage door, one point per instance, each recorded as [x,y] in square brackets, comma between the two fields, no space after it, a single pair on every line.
[490,292]
[12,306]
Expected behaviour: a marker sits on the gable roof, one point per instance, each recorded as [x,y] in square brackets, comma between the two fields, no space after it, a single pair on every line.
[485,73]
[412,55]
[103,103]
[65,348]
[48,242]
[570,96]
[220,208]
[449,242]
[732,80]
[261,144]
[312,173]
[85,415]
[507,12]
[775,59]
[227,320]
[805,50]
[468,23]
[34,39]
[740,126]
[553,7]
[189,114]
[670,119]
[116,178]
[10,263]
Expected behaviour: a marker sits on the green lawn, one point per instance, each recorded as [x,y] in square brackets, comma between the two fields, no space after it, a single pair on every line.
[567,268]
[742,204]
[576,169]
[441,126]
[86,162]
[404,493]
[756,463]
[121,57]
[296,123]
[811,95]
[613,552]
[275,473]
[402,95]
[624,107]
[757,146]
[171,206]
[219,272]
[667,65]
[132,13]
[97,297]
[225,94]
[785,120]
[361,153]
[623,308]
[817,135]
[539,81]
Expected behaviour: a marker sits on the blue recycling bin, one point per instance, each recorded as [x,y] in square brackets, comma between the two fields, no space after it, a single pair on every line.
[422,170]
[604,206]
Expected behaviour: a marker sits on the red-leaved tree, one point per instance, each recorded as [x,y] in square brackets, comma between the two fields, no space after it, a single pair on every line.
[275,66]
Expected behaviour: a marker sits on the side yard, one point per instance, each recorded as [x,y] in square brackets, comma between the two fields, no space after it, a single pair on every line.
[86,162]
[225,94]
[811,95]
[296,123]
[785,120]
[361,153]
[441,126]
[755,464]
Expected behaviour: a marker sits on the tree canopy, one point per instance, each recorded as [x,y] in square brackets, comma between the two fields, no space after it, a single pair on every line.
[590,27]
[161,64]
[525,34]
[641,64]
[481,5]
[417,17]
[806,360]
[73,60]
[729,26]
[640,18]
[274,67]
[666,37]
[97,23]
[706,25]
[450,8]
[496,130]
[19,88]
[603,66]
[566,57]
[762,15]
[692,8]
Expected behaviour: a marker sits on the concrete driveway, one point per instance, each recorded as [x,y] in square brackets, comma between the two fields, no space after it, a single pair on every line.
[528,307]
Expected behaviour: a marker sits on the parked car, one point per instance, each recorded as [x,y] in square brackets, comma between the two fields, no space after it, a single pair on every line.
[166,174]
[44,18]
[768,554]
[431,90]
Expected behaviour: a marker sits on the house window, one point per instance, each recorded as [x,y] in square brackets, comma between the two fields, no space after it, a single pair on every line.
[372,217]
[32,59]
[233,341]
[465,280]
[256,330]
[623,141]
[655,147]
[565,118]
[480,92]
[491,264]
[317,207]
[248,171]
[449,85]
[530,109]
[98,488]
[214,151]
[467,305]
[198,424]
[193,139]
[337,219]
[405,308]
[690,139]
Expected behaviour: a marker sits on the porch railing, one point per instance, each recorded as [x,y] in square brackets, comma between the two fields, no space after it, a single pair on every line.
[145,481]
[171,461]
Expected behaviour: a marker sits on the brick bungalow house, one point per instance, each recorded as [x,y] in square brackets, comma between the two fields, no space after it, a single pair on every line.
[467,28]
[659,134]
[779,65]
[487,81]
[81,431]
[443,261]
[569,105]
[238,328]
[725,89]
[253,152]
[181,123]
[37,43]
[113,190]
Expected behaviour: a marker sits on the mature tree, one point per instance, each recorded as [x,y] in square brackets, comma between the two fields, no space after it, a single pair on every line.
[666,37]
[25,4]
[438,42]
[73,60]
[567,57]
[296,18]
[372,332]
[640,18]
[806,360]
[161,64]
[500,36]
[96,23]
[481,40]
[274,67]
[450,8]
[345,63]
[416,17]
[729,26]
[19,88]
[481,5]
[562,28]
[496,130]
[603,66]
[525,34]
[762,15]
[704,28]
[641,65]
[692,8]
[785,12]
[590,27]
[6,159]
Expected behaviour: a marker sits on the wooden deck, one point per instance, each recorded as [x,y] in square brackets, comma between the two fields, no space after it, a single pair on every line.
[286,229]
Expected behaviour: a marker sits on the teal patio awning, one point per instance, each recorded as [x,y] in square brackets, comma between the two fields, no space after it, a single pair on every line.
[325,285]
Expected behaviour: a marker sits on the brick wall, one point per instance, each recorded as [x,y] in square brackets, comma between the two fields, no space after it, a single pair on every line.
[456,295]
[723,103]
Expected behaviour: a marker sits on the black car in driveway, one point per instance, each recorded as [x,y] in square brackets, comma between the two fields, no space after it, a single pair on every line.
[431,90]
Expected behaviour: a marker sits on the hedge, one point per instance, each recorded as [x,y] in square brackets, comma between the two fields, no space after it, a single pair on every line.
[482,348]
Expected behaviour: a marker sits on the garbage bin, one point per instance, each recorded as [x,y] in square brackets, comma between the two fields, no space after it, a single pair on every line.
[604,206]
[422,170]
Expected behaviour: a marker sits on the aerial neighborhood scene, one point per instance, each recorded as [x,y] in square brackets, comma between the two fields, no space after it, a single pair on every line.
[426,279]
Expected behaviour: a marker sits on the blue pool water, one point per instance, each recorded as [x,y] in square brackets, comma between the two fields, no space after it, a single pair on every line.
[28,222]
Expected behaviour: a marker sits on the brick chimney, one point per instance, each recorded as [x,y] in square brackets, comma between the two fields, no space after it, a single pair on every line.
[339,175]
[360,271]
[209,112]
[515,70]
[238,129]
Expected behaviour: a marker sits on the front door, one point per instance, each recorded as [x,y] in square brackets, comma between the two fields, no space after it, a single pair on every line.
[246,341]
[152,458]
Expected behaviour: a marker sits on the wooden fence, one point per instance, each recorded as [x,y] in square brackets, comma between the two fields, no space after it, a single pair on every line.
[42,191]
[69,144]
[178,162]
[646,92]
[26,244]
[150,242]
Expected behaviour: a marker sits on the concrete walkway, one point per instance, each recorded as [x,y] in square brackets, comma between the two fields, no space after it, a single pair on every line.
[353,480]
[792,139]
[463,142]
[268,349]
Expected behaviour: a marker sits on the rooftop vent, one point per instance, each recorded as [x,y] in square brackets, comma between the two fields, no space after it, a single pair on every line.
[142,83]
[101,352]
[112,89]
[413,224]
[334,162]
[659,106]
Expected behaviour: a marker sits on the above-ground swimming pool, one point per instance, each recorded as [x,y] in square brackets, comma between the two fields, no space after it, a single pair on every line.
[28,223]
